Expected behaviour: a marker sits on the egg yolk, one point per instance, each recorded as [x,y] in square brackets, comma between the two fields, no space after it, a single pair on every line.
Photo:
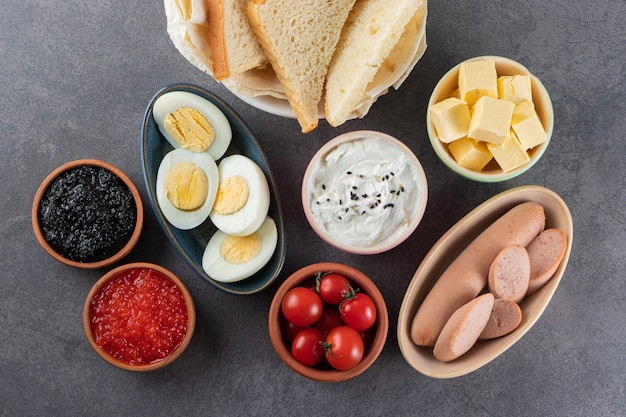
[232,195]
[240,249]
[190,129]
[186,185]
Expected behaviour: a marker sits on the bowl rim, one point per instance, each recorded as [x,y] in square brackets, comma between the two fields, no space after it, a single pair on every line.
[445,157]
[459,235]
[191,317]
[330,375]
[36,224]
[348,137]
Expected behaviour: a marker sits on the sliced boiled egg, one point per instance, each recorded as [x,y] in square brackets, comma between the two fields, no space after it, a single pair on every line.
[189,121]
[229,258]
[243,196]
[186,186]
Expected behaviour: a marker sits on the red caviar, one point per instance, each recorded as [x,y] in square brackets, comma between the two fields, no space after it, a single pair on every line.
[139,317]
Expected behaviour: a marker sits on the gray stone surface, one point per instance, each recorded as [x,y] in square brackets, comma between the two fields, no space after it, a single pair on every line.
[75,79]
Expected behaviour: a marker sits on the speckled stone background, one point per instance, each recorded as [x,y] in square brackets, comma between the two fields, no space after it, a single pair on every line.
[76,78]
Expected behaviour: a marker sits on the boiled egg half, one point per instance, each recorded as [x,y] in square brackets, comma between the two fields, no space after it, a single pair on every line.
[186,186]
[243,196]
[191,122]
[229,258]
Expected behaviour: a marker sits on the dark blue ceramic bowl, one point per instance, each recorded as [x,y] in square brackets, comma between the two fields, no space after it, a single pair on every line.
[191,243]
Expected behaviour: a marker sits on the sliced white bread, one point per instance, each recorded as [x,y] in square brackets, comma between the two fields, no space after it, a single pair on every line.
[234,47]
[381,42]
[299,39]
[546,252]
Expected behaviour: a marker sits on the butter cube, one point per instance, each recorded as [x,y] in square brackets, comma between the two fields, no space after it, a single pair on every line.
[470,153]
[522,111]
[451,118]
[510,154]
[530,132]
[515,88]
[477,79]
[491,120]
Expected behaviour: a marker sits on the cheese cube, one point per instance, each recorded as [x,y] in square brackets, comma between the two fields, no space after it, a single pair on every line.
[477,79]
[491,120]
[530,132]
[522,111]
[451,118]
[470,153]
[510,154]
[515,88]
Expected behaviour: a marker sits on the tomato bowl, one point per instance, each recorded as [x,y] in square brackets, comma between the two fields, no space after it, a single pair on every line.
[331,367]
[139,317]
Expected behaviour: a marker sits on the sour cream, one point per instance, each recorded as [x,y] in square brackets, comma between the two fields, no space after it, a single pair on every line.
[367,193]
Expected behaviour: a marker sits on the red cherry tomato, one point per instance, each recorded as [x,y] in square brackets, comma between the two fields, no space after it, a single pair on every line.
[333,287]
[358,311]
[329,320]
[289,330]
[344,348]
[307,346]
[302,307]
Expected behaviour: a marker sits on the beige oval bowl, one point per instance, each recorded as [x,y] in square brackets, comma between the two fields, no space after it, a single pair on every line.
[191,317]
[492,172]
[447,248]
[125,250]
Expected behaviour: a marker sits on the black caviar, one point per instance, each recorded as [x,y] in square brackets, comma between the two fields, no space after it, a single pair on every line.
[87,214]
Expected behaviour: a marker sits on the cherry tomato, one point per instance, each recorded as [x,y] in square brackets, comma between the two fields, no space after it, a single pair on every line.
[302,307]
[343,348]
[358,311]
[289,330]
[307,346]
[329,320]
[332,287]
[368,338]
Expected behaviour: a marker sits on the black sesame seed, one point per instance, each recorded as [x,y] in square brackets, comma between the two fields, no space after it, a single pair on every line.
[388,205]
[354,187]
[364,195]
[349,173]
[323,186]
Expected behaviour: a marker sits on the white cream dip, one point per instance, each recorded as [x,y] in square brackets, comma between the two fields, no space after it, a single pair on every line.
[364,192]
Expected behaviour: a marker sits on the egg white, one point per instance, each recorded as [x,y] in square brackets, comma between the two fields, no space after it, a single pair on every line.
[186,219]
[221,270]
[173,100]
[251,216]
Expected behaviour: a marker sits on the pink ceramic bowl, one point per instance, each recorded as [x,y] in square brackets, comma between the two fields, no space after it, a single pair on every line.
[364,192]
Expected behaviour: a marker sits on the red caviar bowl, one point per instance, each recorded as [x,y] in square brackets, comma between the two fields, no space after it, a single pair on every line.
[359,281]
[162,296]
[109,255]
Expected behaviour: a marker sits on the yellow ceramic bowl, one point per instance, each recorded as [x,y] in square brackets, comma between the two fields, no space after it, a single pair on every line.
[492,172]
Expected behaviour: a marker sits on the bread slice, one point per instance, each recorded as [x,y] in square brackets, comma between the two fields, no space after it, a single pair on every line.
[299,38]
[234,47]
[380,44]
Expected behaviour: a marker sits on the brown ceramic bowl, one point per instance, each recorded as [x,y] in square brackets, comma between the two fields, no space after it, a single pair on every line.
[108,255]
[359,280]
[445,251]
[112,278]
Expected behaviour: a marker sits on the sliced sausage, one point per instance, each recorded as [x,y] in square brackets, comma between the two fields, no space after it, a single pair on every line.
[505,316]
[509,273]
[463,328]
[546,252]
[467,274]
